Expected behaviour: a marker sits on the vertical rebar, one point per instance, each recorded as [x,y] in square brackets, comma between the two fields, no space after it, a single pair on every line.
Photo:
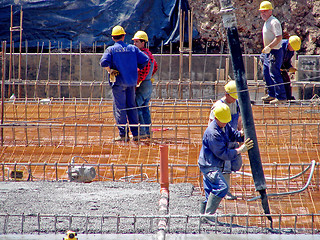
[141,172]
[186,174]
[39,218]
[14,136]
[100,135]
[171,173]
[190,28]
[30,171]
[20,49]
[70,221]
[5,224]
[112,171]
[44,170]
[75,134]
[70,63]
[55,224]
[188,116]
[170,61]
[51,137]
[10,59]
[101,224]
[3,59]
[38,131]
[56,170]
[64,133]
[22,222]
[87,134]
[160,64]
[86,224]
[3,176]
[126,172]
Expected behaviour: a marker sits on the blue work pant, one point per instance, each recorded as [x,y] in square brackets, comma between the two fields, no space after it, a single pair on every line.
[124,108]
[143,96]
[214,182]
[272,75]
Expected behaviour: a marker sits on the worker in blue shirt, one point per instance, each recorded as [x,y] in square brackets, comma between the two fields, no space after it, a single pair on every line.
[289,46]
[231,99]
[122,62]
[215,151]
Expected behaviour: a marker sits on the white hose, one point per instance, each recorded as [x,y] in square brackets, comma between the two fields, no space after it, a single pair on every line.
[313,164]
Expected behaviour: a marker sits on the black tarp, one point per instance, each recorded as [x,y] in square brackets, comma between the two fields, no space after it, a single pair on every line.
[91,21]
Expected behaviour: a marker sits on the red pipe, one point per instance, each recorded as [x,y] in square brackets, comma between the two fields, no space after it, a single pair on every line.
[164,172]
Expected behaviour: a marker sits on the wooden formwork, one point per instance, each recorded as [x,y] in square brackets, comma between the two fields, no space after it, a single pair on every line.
[41,138]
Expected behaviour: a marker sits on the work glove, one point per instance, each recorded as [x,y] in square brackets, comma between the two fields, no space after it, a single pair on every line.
[292,70]
[113,73]
[266,50]
[247,145]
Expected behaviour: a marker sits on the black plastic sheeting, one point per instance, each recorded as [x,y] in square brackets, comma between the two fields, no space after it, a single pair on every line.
[91,21]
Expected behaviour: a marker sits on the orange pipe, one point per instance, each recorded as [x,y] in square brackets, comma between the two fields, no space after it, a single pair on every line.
[164,172]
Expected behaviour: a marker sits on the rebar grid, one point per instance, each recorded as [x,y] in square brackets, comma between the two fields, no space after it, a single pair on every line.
[226,223]
[40,138]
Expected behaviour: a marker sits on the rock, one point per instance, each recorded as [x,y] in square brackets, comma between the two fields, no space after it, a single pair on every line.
[297,17]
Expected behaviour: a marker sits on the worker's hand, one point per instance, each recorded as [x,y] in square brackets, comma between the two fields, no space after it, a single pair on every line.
[152,80]
[113,73]
[248,144]
[266,50]
[292,70]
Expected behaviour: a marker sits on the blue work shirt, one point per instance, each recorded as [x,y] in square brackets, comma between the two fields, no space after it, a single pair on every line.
[287,55]
[215,150]
[126,59]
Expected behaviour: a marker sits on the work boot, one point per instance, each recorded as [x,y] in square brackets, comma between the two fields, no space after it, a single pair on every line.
[229,196]
[211,207]
[277,101]
[267,98]
[203,207]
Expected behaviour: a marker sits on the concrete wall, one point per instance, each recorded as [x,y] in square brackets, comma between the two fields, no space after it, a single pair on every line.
[40,74]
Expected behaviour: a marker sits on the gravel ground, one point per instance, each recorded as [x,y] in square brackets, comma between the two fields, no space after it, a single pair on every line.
[94,199]
[103,207]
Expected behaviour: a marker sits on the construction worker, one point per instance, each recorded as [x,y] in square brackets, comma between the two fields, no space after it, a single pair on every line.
[231,99]
[122,61]
[215,151]
[144,84]
[272,55]
[289,46]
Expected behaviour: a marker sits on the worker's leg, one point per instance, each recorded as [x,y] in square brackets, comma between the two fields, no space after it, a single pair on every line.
[287,84]
[276,58]
[227,177]
[132,111]
[119,106]
[216,188]
[266,75]
[143,96]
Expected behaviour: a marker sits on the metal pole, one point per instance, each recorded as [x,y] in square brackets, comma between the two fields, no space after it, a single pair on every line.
[229,21]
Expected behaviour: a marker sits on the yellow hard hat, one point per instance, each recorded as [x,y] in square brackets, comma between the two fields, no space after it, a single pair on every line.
[231,89]
[140,35]
[222,112]
[117,31]
[265,5]
[295,42]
